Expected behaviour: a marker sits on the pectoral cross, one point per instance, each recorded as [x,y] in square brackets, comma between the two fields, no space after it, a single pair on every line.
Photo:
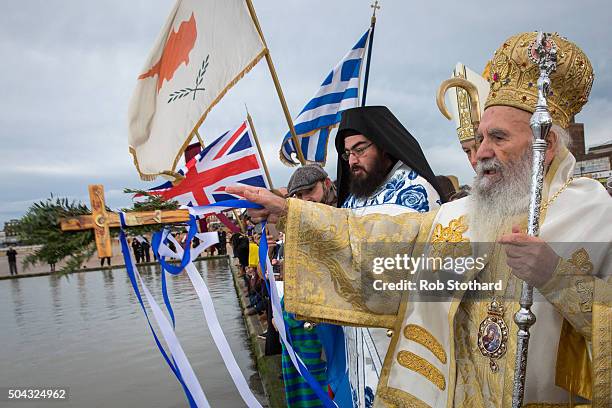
[101,220]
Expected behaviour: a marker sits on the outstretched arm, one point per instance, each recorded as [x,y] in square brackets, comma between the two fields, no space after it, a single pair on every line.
[329,254]
[274,206]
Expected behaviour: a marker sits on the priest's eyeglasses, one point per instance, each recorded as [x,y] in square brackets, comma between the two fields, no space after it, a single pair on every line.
[358,151]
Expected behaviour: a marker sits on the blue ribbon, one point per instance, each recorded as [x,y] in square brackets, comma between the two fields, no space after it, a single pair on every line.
[263,255]
[156,242]
[175,270]
[331,337]
[130,270]
[312,382]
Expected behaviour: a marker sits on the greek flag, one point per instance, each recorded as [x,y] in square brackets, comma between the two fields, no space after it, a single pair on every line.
[338,92]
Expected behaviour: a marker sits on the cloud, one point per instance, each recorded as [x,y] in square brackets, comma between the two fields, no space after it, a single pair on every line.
[597,117]
[69,69]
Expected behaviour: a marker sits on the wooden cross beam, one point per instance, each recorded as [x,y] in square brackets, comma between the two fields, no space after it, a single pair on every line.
[101,220]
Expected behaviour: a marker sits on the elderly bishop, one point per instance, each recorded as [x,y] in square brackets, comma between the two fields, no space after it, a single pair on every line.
[459,350]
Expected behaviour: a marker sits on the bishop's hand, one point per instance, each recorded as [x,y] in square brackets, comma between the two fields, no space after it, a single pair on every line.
[530,258]
[274,206]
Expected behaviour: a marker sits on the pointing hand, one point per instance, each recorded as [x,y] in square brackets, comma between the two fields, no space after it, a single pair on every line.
[274,206]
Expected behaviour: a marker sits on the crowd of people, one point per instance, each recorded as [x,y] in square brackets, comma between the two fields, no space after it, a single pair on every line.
[402,350]
[310,183]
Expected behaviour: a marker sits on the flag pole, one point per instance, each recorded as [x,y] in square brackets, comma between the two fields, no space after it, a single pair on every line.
[281,96]
[263,159]
[375,6]
[237,216]
[199,138]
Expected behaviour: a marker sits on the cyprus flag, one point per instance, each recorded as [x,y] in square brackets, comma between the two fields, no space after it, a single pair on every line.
[205,47]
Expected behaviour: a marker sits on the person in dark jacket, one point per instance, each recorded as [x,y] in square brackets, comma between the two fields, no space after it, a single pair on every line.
[146,254]
[222,245]
[12,260]
[137,249]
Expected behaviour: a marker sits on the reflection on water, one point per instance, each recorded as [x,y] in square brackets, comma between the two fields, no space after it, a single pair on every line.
[87,332]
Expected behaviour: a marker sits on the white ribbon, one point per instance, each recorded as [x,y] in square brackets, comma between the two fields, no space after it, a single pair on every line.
[207,239]
[277,316]
[189,377]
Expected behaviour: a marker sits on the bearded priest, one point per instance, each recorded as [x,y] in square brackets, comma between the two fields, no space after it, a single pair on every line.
[457,346]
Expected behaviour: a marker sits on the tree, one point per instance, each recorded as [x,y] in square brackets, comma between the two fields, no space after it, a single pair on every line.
[41,226]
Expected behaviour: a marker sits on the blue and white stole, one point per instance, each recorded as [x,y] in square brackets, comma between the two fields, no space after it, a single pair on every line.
[404,190]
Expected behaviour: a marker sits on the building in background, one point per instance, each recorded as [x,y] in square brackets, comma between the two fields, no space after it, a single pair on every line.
[595,161]
[9,236]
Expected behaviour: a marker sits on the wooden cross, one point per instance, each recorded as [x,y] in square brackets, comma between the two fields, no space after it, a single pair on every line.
[101,221]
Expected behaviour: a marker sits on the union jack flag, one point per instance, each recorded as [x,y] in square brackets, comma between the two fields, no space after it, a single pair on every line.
[233,158]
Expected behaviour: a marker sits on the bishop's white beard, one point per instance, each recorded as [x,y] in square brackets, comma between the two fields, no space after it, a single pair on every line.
[496,205]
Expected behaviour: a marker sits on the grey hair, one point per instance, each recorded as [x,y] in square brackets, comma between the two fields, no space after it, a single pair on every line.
[563,137]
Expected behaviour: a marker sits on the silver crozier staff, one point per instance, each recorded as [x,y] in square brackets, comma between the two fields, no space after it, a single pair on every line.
[542,52]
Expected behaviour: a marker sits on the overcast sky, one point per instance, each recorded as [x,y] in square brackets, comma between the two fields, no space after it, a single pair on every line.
[69,68]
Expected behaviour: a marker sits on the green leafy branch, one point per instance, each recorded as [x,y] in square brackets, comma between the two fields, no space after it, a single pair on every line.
[40,226]
[152,202]
[202,71]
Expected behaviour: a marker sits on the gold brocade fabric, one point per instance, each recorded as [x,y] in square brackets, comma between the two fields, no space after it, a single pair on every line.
[328,269]
[602,353]
[574,368]
[328,263]
[571,290]
[477,385]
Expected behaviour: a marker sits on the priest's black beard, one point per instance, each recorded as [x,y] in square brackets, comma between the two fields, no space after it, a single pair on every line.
[363,187]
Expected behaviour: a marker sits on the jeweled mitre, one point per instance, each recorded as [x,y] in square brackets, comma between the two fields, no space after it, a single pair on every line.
[514,75]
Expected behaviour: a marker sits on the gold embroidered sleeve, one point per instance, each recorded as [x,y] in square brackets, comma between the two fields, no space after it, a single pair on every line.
[329,256]
[574,288]
[280,225]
